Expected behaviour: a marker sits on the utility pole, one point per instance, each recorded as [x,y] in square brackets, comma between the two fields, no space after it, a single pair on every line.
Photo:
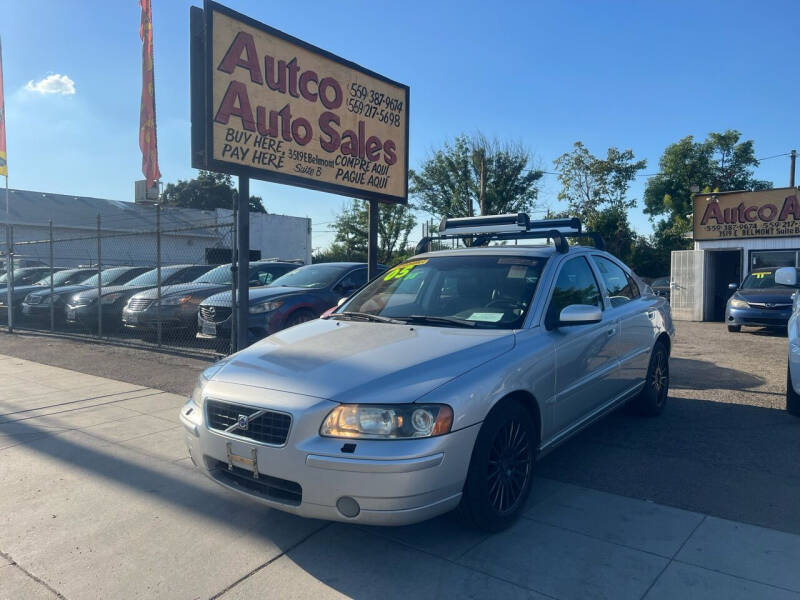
[243,263]
[793,158]
[372,245]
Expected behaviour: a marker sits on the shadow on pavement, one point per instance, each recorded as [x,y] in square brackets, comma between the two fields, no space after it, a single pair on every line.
[729,460]
[694,374]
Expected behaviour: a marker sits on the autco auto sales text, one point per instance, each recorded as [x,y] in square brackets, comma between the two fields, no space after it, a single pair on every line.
[263,136]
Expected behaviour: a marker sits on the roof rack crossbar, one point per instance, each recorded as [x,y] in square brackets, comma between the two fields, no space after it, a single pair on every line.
[515,226]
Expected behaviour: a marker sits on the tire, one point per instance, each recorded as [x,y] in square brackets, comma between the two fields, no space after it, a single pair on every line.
[501,468]
[653,397]
[734,328]
[300,316]
[792,397]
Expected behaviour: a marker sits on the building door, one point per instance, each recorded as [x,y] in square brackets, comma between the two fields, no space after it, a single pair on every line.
[724,267]
[686,285]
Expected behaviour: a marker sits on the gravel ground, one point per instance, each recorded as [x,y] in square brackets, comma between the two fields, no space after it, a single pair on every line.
[723,446]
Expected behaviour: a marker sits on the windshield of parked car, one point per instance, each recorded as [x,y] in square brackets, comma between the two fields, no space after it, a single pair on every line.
[221,275]
[24,276]
[759,280]
[63,278]
[109,277]
[458,291]
[311,276]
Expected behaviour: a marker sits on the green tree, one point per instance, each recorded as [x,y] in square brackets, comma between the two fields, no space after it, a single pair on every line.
[208,191]
[590,184]
[395,222]
[474,173]
[720,163]
[596,191]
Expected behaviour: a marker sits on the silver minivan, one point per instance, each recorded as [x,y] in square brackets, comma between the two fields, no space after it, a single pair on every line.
[436,386]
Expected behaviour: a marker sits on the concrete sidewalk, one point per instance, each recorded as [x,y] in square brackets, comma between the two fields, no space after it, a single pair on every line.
[98,500]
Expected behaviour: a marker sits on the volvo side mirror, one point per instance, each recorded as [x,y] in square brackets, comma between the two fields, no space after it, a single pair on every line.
[579,314]
[786,276]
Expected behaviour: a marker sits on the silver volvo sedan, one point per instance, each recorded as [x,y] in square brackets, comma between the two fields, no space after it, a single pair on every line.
[436,386]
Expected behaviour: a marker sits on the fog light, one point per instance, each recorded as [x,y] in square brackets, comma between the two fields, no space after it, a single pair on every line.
[348,506]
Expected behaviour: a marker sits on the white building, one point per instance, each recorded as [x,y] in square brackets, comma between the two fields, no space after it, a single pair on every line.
[128,232]
[734,233]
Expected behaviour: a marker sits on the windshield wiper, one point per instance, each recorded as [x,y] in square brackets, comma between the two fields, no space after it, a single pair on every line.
[366,317]
[451,321]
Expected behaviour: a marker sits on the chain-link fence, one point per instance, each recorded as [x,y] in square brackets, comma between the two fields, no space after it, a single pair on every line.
[135,279]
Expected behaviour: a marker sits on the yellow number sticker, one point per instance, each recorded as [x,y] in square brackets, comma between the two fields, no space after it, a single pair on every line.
[761,275]
[402,270]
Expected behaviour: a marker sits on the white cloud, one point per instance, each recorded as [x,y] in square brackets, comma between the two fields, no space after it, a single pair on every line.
[52,84]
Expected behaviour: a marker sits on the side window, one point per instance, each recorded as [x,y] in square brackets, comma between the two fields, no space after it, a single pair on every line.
[352,281]
[575,285]
[621,286]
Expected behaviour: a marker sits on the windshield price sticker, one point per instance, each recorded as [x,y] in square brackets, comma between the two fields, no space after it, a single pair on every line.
[401,271]
[761,275]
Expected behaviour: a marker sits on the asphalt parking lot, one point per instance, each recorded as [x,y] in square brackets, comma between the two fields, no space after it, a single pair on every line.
[100,500]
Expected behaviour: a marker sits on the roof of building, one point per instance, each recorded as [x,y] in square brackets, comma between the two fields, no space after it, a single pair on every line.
[37,208]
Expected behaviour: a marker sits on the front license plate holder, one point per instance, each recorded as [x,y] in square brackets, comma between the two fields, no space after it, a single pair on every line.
[70,314]
[249,463]
[208,328]
[26,310]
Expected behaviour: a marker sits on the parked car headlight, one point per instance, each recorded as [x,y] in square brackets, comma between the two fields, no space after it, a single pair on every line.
[266,307]
[738,303]
[111,298]
[78,300]
[376,422]
[175,300]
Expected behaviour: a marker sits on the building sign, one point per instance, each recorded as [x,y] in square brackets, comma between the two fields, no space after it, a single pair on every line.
[737,215]
[272,107]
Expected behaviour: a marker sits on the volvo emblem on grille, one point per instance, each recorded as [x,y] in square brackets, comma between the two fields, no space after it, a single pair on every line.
[769,305]
[243,421]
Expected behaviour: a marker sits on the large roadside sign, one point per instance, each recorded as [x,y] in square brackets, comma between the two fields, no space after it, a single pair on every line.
[269,106]
[738,215]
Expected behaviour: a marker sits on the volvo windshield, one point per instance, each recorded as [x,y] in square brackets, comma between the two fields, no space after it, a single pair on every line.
[451,291]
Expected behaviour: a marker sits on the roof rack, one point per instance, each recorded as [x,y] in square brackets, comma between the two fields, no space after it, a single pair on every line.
[514,226]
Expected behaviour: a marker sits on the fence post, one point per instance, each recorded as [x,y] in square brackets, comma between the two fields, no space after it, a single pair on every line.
[158,274]
[52,304]
[234,261]
[10,278]
[99,282]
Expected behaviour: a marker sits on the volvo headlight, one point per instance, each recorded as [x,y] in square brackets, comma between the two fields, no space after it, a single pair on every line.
[175,300]
[738,303]
[266,307]
[378,422]
[111,298]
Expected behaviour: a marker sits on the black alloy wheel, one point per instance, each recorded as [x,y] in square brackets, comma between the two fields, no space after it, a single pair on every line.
[510,463]
[300,316]
[653,397]
[501,467]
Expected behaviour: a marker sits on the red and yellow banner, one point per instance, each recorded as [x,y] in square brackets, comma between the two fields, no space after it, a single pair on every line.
[147,112]
[3,155]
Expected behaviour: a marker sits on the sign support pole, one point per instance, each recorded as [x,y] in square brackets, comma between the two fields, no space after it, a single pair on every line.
[793,158]
[372,245]
[9,265]
[243,262]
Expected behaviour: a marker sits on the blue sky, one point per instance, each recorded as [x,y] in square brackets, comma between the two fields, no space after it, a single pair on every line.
[637,75]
